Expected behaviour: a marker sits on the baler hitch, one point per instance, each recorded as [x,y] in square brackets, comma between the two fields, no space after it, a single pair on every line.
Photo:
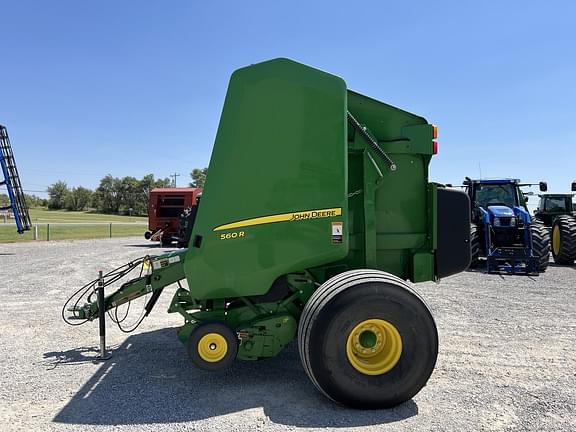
[155,273]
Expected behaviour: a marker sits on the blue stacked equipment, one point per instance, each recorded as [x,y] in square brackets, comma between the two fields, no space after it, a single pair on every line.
[12,183]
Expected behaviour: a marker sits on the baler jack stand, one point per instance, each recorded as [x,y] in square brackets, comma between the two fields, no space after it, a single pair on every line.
[102,319]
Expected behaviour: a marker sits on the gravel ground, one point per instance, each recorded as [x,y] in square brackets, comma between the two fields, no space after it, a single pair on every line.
[506,359]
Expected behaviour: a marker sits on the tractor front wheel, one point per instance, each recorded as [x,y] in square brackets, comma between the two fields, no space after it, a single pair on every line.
[367,340]
[541,245]
[564,240]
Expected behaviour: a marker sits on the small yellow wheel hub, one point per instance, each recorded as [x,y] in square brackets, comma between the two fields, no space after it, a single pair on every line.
[556,240]
[374,347]
[212,347]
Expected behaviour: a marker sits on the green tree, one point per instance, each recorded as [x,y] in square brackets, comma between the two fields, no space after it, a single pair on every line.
[33,201]
[119,195]
[57,195]
[145,186]
[107,195]
[78,198]
[198,177]
[163,183]
[129,194]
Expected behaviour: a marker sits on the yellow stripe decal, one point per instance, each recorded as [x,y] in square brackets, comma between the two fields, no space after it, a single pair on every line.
[284,217]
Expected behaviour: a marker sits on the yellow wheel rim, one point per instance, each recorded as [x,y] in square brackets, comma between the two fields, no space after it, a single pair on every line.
[556,240]
[374,347]
[212,347]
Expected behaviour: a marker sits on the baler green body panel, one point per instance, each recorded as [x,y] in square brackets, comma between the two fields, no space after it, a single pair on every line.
[393,218]
[283,165]
[280,149]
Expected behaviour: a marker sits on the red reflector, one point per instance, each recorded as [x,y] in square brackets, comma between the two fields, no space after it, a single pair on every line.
[434,147]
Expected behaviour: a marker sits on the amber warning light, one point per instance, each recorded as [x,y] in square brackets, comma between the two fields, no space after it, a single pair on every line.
[434,142]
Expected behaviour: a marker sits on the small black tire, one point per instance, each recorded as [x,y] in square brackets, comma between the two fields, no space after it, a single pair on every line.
[564,240]
[212,346]
[147,235]
[540,245]
[474,245]
[332,315]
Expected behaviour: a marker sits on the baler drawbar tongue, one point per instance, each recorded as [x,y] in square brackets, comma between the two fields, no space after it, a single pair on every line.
[154,273]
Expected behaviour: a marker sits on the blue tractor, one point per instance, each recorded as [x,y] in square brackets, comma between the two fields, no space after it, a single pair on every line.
[502,230]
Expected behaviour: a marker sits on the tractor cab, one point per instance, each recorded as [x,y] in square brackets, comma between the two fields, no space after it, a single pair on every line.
[502,229]
[495,194]
[551,206]
[498,202]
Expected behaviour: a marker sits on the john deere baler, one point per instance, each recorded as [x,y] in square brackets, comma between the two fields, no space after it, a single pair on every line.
[316,212]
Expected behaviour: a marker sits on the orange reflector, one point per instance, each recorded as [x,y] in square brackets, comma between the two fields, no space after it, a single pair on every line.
[434,147]
[434,131]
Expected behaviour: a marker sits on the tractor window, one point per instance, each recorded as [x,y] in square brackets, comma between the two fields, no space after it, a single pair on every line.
[487,195]
[556,204]
[522,199]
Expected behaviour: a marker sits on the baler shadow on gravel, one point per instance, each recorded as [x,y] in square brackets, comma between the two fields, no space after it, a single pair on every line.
[339,215]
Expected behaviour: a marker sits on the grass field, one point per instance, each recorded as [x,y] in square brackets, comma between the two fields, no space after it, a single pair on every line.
[67,225]
[41,215]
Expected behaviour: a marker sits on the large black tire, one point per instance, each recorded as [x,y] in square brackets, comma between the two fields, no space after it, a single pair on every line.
[330,321]
[474,245]
[541,245]
[564,240]
[212,346]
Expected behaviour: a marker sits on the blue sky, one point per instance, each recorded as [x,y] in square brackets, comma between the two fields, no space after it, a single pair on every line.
[133,87]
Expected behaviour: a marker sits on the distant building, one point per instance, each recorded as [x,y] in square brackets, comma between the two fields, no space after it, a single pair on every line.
[6,214]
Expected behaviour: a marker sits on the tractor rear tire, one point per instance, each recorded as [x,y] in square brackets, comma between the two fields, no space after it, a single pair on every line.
[212,346]
[564,240]
[541,245]
[474,245]
[367,340]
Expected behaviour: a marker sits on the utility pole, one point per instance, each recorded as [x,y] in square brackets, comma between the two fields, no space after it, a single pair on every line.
[174,178]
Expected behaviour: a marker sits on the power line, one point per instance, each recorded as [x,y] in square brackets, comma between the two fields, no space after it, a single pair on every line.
[37,191]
